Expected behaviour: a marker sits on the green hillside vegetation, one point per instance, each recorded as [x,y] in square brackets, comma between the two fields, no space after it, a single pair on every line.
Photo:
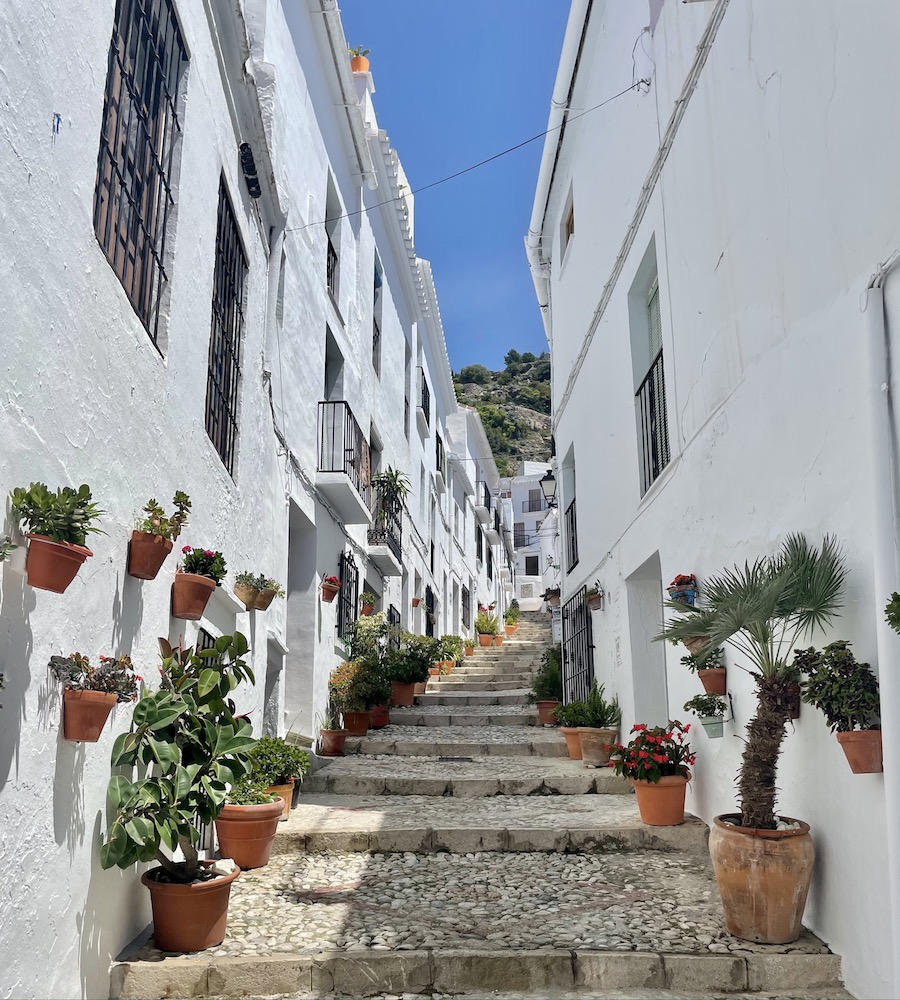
[514,405]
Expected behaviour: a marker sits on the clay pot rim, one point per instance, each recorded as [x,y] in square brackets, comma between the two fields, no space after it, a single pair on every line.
[156,539]
[548,701]
[197,576]
[666,779]
[711,670]
[209,885]
[248,812]
[597,729]
[71,546]
[88,695]
[749,831]
[341,730]
[859,735]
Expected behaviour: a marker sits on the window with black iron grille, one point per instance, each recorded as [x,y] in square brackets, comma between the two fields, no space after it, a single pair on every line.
[205,640]
[490,564]
[395,632]
[224,367]
[577,648]
[431,561]
[650,399]
[424,396]
[520,537]
[332,263]
[532,566]
[348,598]
[429,612]
[376,346]
[571,537]
[479,543]
[466,608]
[139,142]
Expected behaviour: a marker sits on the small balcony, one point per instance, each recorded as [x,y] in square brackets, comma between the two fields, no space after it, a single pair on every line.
[483,503]
[440,465]
[386,537]
[423,406]
[343,472]
[534,505]
[492,531]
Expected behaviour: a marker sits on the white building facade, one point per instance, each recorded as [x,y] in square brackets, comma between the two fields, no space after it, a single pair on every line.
[700,247]
[529,512]
[219,303]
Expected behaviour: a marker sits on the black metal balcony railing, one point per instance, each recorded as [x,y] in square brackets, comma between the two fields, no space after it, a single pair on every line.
[332,262]
[522,540]
[387,527]
[440,459]
[483,496]
[533,506]
[424,396]
[343,448]
[497,520]
[653,424]
[571,536]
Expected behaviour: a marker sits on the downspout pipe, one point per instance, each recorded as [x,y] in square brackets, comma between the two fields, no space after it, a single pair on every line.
[559,110]
[886,580]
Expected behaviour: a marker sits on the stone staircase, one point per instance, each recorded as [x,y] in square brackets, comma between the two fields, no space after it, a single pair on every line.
[459,850]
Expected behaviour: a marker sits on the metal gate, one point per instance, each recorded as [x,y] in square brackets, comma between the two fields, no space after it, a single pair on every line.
[577,648]
[429,612]
[348,599]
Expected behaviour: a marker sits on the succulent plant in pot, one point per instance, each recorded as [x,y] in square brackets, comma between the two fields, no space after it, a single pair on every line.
[710,710]
[358,61]
[761,610]
[201,571]
[268,588]
[546,686]
[847,692]
[185,749]
[91,692]
[57,525]
[154,535]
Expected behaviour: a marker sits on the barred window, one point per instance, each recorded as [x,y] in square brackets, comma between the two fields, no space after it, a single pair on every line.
[139,137]
[466,608]
[224,372]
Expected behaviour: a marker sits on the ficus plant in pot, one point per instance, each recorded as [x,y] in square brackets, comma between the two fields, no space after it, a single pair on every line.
[847,692]
[200,572]
[600,729]
[91,692]
[710,710]
[154,535]
[763,861]
[171,774]
[57,525]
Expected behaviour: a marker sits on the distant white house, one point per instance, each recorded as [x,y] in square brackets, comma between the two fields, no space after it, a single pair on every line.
[700,248]
[529,514]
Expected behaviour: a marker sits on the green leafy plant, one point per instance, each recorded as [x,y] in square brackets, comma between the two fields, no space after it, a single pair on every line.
[761,610]
[838,684]
[63,516]
[452,648]
[157,522]
[707,706]
[600,713]
[654,753]
[330,718]
[204,562]
[486,624]
[404,667]
[250,792]
[547,682]
[185,749]
[275,762]
[367,597]
[357,686]
[358,51]
[572,715]
[423,650]
[115,675]
[6,546]
[705,659]
[892,612]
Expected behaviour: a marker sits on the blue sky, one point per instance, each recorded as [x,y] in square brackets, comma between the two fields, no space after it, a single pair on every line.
[456,81]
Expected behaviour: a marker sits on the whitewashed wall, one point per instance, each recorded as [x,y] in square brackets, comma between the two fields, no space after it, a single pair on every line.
[774,207]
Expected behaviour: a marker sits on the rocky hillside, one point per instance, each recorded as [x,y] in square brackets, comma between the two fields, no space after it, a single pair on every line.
[514,405]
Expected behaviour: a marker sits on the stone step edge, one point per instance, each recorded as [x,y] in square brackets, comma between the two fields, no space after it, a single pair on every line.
[689,838]
[603,782]
[449,971]
[545,749]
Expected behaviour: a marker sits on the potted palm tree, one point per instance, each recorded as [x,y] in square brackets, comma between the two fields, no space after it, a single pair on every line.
[154,535]
[185,748]
[600,728]
[763,862]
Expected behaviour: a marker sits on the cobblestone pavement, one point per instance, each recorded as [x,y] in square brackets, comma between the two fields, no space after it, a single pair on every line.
[587,995]
[464,734]
[382,765]
[639,901]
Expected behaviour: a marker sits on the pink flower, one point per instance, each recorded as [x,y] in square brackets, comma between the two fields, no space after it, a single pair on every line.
[187,548]
[208,553]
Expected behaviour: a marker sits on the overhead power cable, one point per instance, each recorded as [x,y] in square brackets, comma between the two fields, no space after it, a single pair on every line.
[475,166]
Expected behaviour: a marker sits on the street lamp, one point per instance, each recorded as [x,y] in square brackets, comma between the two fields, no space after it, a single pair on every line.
[548,488]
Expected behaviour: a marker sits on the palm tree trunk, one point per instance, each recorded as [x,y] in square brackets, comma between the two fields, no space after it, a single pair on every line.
[759,765]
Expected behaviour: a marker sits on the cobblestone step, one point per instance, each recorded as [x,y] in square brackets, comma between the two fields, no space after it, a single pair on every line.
[462,698]
[473,715]
[464,778]
[568,823]
[460,684]
[470,741]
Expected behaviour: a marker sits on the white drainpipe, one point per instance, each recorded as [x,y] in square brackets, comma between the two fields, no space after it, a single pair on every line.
[885,566]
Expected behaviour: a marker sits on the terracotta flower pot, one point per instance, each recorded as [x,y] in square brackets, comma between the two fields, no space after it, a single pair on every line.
[146,554]
[53,565]
[247,594]
[359,64]
[863,750]
[763,878]
[357,723]
[713,680]
[85,714]
[380,717]
[498,640]
[595,603]
[573,741]
[246,833]
[434,671]
[420,688]
[416,601]
[402,694]
[661,804]
[329,593]
[485,639]
[190,595]
[264,598]
[286,794]
[596,745]
[547,712]
[368,609]
[510,630]
[333,741]
[189,917]
[470,650]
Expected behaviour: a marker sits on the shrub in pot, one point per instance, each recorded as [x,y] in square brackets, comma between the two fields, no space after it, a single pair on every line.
[425,650]
[708,665]
[200,572]
[710,710]
[763,862]
[404,670]
[656,762]
[367,601]
[601,727]
[90,692]
[277,765]
[546,686]
[569,718]
[247,823]
[57,525]
[154,535]
[487,626]
[847,692]
[185,749]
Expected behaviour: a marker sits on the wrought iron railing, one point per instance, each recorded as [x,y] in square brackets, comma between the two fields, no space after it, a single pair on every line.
[522,540]
[577,648]
[466,608]
[497,520]
[533,506]
[348,598]
[332,262]
[440,458]
[343,448]
[395,632]
[387,526]
[653,424]
[571,537]
[483,496]
[424,396]
[429,612]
